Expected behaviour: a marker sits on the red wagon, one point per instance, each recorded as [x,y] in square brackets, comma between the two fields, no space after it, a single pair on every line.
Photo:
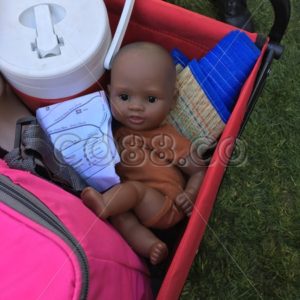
[172,26]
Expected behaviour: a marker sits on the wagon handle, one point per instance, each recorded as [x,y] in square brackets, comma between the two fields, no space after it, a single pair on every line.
[282,12]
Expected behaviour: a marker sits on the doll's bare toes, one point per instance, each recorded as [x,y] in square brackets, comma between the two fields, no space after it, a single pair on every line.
[94,201]
[158,252]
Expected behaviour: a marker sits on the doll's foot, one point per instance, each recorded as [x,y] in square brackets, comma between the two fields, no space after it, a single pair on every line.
[158,252]
[94,201]
[184,202]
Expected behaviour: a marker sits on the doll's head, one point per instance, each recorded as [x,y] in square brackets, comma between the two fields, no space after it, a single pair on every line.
[142,85]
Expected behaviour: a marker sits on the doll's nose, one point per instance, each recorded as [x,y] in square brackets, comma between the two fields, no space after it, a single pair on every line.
[136,105]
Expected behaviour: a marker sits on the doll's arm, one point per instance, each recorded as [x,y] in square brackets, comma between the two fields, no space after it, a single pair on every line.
[195,171]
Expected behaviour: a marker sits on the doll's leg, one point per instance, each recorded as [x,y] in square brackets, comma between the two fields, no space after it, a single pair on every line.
[118,199]
[139,237]
[123,197]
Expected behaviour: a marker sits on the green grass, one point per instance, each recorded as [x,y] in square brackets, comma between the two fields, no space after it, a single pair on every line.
[251,247]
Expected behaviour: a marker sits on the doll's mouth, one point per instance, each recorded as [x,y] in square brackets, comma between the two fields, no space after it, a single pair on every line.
[136,120]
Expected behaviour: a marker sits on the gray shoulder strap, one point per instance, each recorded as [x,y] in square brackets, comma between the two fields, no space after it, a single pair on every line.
[37,155]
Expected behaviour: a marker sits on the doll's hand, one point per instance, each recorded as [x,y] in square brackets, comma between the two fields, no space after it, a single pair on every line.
[185,202]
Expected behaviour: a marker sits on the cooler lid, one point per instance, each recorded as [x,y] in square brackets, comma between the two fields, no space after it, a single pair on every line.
[39,39]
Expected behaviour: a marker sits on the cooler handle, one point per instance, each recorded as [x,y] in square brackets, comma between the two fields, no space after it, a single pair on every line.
[119,34]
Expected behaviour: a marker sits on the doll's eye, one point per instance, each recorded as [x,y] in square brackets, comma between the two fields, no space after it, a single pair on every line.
[124,97]
[152,99]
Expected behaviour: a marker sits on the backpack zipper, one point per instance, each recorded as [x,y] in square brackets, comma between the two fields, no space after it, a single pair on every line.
[28,205]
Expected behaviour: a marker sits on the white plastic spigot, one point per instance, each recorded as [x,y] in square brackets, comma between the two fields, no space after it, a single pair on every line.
[47,43]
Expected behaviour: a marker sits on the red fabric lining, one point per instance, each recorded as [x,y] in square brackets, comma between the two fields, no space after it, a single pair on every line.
[171,26]
[131,38]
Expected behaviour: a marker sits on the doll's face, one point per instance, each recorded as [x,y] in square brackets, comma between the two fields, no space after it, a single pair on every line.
[141,89]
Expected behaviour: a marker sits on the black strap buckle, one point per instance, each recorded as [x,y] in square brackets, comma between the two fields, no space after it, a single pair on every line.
[19,129]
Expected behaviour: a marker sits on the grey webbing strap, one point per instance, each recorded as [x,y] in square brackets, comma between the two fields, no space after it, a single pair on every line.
[38,147]
[34,139]
[15,160]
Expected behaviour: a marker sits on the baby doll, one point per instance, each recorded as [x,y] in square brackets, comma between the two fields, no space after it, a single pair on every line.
[153,192]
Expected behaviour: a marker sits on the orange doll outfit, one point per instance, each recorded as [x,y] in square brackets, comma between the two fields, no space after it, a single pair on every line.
[152,157]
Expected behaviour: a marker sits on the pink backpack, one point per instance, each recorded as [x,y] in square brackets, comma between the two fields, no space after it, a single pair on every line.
[53,247]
